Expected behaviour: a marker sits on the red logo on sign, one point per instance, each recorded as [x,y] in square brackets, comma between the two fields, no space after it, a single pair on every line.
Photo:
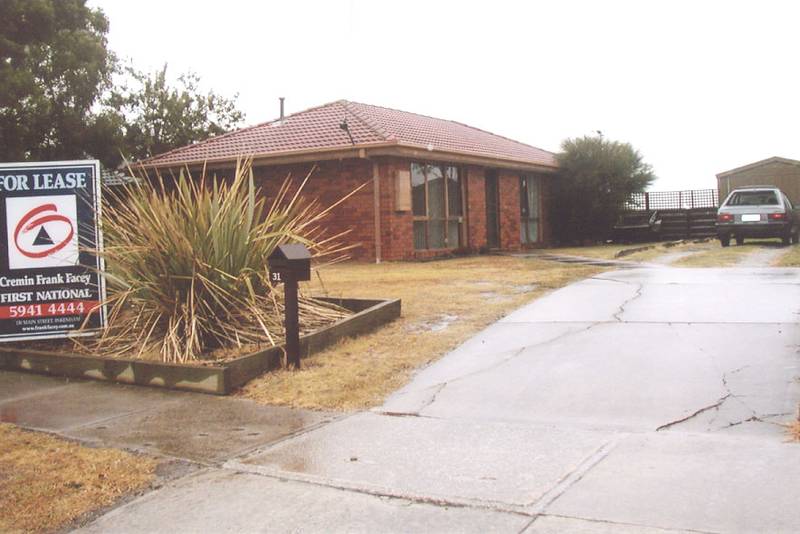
[26,225]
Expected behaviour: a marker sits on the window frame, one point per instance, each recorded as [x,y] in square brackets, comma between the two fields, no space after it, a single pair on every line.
[426,219]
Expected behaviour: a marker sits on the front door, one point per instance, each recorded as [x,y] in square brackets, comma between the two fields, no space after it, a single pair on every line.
[492,211]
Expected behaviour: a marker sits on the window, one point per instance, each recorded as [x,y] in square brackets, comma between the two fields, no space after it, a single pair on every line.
[753,198]
[436,205]
[529,209]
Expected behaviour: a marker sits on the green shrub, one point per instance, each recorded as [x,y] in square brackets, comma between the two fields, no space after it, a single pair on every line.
[596,177]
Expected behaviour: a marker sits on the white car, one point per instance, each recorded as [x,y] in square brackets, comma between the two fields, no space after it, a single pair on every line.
[757,211]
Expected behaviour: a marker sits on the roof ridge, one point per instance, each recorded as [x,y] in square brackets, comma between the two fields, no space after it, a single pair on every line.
[455,122]
[237,131]
[372,125]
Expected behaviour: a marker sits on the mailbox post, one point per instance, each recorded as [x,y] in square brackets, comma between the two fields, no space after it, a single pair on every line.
[288,265]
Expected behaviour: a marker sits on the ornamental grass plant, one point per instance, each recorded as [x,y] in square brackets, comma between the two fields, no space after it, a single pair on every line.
[186,261]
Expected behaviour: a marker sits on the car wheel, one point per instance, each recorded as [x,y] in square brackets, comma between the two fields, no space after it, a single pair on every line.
[786,239]
[725,240]
[739,240]
[795,238]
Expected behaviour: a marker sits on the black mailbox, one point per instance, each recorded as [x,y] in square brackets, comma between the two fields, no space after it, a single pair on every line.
[290,262]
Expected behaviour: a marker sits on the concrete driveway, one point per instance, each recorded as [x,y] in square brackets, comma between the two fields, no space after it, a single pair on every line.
[642,400]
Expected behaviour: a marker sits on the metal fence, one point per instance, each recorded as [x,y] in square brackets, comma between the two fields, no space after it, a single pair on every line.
[673,200]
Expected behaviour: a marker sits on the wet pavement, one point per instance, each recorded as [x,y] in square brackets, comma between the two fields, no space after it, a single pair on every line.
[458,461]
[187,426]
[642,400]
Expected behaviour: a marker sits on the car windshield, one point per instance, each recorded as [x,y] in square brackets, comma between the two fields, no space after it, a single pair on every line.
[753,198]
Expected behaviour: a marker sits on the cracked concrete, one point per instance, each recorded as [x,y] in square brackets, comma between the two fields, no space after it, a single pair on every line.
[717,406]
[621,309]
[645,400]
[414,401]
[269,505]
[704,409]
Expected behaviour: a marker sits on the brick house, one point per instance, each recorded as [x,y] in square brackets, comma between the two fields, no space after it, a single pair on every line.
[435,186]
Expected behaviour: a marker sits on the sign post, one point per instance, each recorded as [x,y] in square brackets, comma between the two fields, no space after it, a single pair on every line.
[292,322]
[51,282]
[289,264]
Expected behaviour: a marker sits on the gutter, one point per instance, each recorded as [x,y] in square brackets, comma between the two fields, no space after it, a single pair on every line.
[362,151]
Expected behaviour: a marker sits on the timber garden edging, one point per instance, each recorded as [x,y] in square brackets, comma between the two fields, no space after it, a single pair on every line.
[217,379]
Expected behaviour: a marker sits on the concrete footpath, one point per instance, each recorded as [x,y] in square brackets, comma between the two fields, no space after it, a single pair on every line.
[191,427]
[644,400]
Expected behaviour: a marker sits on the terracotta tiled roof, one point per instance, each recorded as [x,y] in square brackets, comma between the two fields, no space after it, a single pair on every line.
[318,129]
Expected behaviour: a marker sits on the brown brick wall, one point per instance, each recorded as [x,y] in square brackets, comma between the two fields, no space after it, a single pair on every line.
[476,208]
[782,175]
[509,210]
[334,179]
[397,227]
[330,181]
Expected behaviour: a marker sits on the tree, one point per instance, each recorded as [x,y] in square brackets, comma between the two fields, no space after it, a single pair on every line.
[58,100]
[54,65]
[157,117]
[597,176]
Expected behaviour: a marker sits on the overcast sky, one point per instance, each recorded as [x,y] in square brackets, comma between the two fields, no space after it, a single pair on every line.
[697,87]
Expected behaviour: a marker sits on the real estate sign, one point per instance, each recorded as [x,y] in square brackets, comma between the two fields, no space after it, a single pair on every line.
[51,281]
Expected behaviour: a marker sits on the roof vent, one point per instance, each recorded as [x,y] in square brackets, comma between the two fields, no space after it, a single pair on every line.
[281,99]
[346,127]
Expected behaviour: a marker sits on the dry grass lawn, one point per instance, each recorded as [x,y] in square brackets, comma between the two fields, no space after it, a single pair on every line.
[793,429]
[444,303]
[718,256]
[601,252]
[651,252]
[704,254]
[46,482]
[791,258]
